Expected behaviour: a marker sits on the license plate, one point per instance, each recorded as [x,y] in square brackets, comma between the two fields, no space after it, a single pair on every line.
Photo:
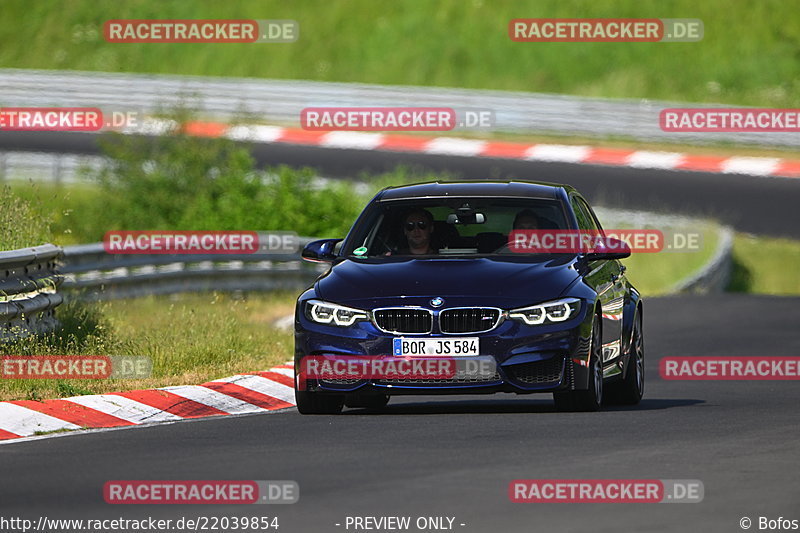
[450,346]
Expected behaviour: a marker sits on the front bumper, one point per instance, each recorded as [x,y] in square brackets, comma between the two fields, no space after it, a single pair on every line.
[529,359]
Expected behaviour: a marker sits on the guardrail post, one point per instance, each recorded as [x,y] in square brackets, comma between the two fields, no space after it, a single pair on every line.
[57,165]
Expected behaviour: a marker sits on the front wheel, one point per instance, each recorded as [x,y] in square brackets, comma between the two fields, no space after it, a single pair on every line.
[592,398]
[314,403]
[630,390]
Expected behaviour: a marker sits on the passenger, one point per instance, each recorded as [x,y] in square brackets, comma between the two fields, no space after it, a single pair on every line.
[526,219]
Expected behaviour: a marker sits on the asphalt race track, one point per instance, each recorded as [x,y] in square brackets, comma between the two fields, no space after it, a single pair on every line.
[456,456]
[759,205]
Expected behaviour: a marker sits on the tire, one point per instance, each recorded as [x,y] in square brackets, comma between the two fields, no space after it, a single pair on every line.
[372,401]
[591,399]
[630,390]
[314,403]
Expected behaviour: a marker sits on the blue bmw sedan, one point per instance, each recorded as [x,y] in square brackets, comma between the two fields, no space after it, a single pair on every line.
[432,272]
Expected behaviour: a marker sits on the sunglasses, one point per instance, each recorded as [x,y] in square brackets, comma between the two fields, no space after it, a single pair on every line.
[421,224]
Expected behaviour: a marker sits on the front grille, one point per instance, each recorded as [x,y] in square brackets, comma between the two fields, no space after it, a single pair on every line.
[342,381]
[547,371]
[468,319]
[445,381]
[403,320]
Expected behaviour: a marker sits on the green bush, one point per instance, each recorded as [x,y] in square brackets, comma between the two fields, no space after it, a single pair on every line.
[178,182]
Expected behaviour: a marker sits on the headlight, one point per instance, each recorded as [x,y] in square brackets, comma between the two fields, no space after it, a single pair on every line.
[548,312]
[328,313]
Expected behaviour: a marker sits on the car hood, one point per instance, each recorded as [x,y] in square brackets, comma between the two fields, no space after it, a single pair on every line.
[474,281]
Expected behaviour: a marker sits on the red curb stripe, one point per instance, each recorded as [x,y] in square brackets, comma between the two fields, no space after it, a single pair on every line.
[294,136]
[404,143]
[274,376]
[205,129]
[74,413]
[6,435]
[789,168]
[247,395]
[608,156]
[499,149]
[171,403]
[702,163]
[506,150]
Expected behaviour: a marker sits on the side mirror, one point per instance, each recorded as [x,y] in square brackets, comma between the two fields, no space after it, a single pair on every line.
[320,251]
[609,248]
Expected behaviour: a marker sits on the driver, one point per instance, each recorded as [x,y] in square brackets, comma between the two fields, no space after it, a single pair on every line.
[418,229]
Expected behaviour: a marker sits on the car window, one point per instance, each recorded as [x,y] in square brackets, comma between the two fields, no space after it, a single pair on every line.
[452,226]
[595,223]
[585,220]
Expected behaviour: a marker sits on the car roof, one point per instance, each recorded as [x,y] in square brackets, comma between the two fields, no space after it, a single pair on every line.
[483,189]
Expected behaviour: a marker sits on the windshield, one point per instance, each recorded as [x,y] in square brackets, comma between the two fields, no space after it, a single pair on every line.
[450,226]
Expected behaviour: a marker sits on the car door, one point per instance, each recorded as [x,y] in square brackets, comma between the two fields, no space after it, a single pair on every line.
[604,276]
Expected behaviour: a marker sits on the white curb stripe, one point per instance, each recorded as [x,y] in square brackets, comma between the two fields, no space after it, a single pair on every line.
[644,159]
[285,371]
[152,126]
[212,398]
[266,134]
[759,166]
[124,408]
[23,421]
[263,386]
[452,146]
[557,152]
[352,139]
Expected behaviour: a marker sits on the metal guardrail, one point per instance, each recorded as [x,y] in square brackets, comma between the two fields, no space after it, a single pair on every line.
[716,274]
[713,276]
[280,102]
[29,278]
[46,166]
[102,276]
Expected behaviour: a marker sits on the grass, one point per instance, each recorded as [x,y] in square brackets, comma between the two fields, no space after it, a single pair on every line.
[765,265]
[21,224]
[71,210]
[748,54]
[190,339]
